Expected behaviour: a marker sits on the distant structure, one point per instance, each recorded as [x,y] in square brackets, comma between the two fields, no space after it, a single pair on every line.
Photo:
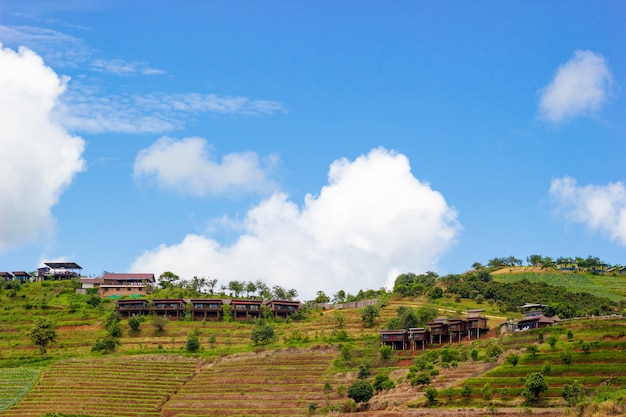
[534,318]
[119,285]
[58,270]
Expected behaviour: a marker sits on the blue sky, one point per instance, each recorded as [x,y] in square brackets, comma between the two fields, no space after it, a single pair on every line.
[313,145]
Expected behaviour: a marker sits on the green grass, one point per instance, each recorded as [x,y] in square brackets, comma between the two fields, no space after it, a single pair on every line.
[14,384]
[609,286]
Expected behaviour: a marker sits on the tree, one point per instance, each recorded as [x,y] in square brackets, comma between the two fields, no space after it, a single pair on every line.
[339,296]
[364,371]
[361,391]
[107,344]
[369,314]
[552,340]
[513,359]
[435,293]
[193,343]
[322,298]
[168,279]
[340,319]
[212,339]
[477,265]
[43,333]
[573,394]
[385,352]
[250,288]
[236,287]
[262,334]
[534,385]
[431,394]
[134,323]
[211,283]
[159,322]
[382,383]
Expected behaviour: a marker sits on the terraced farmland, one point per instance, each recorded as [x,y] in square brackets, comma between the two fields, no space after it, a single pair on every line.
[272,383]
[128,386]
[14,384]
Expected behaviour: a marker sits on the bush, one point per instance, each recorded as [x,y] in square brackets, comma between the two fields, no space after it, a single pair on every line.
[486,391]
[364,371]
[513,359]
[567,357]
[420,379]
[493,352]
[532,350]
[573,394]
[134,322]
[361,391]
[431,394]
[534,385]
[552,340]
[193,343]
[474,354]
[107,344]
[383,383]
[385,352]
[570,335]
[467,391]
[546,369]
[586,347]
[263,334]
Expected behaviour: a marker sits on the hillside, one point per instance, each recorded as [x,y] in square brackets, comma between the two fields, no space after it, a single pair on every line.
[305,370]
[611,286]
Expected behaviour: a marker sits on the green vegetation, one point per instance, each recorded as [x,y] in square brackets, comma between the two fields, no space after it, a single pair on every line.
[361,391]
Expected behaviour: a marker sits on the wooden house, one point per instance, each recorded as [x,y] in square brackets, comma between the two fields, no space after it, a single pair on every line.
[282,308]
[531,310]
[133,307]
[457,329]
[439,332]
[172,308]
[119,285]
[244,310]
[206,309]
[397,339]
[22,276]
[534,322]
[6,276]
[476,324]
[419,337]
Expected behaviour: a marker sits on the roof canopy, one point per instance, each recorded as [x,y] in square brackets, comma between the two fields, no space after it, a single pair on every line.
[68,265]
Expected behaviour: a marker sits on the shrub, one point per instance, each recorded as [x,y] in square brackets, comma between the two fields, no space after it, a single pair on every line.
[532,350]
[546,369]
[474,354]
[573,394]
[107,344]
[382,383]
[552,340]
[341,390]
[493,352]
[369,314]
[466,391]
[431,394]
[361,391]
[262,334]
[534,385]
[486,391]
[115,330]
[134,322]
[513,359]
[586,347]
[159,322]
[327,387]
[449,392]
[540,336]
[420,379]
[364,371]
[385,352]
[193,343]
[566,357]
[570,335]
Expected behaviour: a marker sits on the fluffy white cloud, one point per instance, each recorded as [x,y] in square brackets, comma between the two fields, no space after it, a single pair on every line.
[371,222]
[38,158]
[600,207]
[580,86]
[188,166]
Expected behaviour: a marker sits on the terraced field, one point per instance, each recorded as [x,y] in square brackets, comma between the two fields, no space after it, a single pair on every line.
[14,384]
[272,383]
[128,386]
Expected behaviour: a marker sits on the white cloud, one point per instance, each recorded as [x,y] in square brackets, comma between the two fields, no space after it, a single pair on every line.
[122,67]
[188,166]
[85,109]
[580,86]
[371,222]
[600,207]
[38,158]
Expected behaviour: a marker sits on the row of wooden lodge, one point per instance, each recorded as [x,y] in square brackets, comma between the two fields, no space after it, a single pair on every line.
[206,309]
[438,331]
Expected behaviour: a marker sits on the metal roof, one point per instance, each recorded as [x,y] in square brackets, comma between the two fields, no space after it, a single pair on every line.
[68,265]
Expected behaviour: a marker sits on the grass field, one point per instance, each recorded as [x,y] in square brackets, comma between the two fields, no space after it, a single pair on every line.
[609,286]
